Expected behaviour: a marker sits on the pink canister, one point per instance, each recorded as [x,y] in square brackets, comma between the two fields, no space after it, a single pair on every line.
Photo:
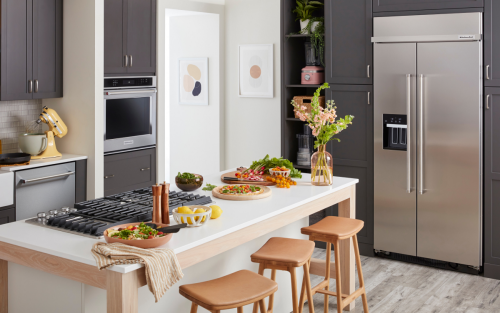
[313,75]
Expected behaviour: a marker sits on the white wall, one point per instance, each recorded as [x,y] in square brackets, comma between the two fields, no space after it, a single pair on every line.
[81,107]
[252,125]
[164,95]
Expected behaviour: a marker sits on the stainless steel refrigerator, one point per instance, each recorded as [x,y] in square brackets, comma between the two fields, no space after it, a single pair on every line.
[428,136]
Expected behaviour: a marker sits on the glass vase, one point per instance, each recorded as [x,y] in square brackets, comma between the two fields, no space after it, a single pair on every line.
[321,167]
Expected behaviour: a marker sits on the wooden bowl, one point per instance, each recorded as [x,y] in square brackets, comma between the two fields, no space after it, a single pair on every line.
[189,184]
[144,244]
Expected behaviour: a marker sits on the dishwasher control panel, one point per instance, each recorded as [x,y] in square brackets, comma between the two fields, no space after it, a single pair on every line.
[395,132]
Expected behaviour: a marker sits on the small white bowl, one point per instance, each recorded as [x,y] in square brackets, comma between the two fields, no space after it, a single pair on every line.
[278,173]
[191,217]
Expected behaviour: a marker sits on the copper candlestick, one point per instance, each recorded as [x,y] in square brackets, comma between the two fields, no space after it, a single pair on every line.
[165,213]
[157,203]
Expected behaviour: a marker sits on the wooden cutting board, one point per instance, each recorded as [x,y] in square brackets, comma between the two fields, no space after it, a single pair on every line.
[267,193]
[231,182]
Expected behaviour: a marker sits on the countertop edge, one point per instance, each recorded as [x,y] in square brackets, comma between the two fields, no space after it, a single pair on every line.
[66,158]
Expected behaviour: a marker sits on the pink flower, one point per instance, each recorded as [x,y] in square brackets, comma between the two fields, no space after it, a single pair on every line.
[315,132]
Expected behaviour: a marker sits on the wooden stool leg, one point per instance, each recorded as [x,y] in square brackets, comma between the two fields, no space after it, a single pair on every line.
[338,278]
[271,297]
[262,305]
[360,273]
[303,291]
[240,309]
[294,289]
[308,288]
[327,276]
[261,272]
[194,307]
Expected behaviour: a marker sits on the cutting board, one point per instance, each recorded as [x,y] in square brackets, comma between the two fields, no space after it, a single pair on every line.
[267,193]
[231,182]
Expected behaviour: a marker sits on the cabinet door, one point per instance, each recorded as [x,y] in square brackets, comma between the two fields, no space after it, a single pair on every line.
[353,155]
[128,171]
[407,5]
[492,180]
[7,215]
[114,37]
[492,43]
[47,49]
[348,32]
[140,31]
[16,50]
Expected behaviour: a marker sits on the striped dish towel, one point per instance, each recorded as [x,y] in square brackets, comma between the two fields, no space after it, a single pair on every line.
[162,267]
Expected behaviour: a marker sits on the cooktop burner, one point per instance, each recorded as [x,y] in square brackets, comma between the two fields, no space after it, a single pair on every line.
[92,218]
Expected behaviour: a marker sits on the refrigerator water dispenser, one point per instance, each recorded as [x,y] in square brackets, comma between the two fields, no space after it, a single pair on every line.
[395,132]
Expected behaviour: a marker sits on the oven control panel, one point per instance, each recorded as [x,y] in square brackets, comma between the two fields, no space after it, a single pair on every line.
[129,82]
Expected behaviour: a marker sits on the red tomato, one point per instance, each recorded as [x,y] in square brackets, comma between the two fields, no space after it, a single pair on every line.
[150,237]
[150,233]
[160,233]
[134,228]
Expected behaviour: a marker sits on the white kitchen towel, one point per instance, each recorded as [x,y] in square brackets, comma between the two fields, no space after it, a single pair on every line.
[162,267]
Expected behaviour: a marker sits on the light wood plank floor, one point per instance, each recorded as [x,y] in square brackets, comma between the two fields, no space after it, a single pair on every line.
[395,287]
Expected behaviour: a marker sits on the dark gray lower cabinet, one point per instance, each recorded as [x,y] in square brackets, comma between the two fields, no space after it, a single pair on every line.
[353,155]
[7,215]
[408,5]
[492,43]
[129,170]
[348,47]
[492,183]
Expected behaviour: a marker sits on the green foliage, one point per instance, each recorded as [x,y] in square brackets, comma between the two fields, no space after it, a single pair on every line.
[186,176]
[268,163]
[209,187]
[305,9]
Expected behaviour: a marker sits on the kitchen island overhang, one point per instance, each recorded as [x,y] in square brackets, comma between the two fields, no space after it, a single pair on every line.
[69,256]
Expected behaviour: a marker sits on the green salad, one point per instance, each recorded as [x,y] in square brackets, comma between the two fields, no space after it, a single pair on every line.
[135,232]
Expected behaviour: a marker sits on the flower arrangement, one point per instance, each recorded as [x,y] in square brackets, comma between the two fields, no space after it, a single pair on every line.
[324,125]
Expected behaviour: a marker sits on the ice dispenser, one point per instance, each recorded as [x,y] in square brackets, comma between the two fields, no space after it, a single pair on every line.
[395,130]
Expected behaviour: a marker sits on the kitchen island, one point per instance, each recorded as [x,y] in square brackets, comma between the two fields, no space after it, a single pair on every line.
[32,257]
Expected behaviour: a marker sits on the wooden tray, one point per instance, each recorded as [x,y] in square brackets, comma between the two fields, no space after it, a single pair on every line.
[231,182]
[267,192]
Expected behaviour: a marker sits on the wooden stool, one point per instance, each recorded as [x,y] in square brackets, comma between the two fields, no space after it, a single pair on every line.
[286,254]
[229,292]
[331,230]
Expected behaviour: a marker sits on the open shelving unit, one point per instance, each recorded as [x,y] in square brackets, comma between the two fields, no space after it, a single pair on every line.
[293,59]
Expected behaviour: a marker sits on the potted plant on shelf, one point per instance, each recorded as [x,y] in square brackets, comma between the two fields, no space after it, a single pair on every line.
[304,11]
[324,126]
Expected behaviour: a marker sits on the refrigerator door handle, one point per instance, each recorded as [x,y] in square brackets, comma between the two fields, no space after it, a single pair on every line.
[408,132]
[421,135]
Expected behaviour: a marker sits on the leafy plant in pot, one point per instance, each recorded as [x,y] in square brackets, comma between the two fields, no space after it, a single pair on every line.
[304,11]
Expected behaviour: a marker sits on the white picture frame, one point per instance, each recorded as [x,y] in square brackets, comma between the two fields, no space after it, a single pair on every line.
[256,71]
[193,82]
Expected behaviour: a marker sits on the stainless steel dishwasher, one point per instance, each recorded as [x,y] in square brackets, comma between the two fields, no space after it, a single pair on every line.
[44,188]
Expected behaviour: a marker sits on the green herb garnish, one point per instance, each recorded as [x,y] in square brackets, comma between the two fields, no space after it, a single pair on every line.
[186,176]
[209,187]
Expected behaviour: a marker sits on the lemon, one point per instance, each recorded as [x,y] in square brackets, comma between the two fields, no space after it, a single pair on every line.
[185,210]
[216,211]
[200,210]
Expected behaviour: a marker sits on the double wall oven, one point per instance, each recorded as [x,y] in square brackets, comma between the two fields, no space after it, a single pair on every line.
[129,113]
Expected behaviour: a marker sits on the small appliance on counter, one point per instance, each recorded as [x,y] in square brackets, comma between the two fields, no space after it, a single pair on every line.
[56,127]
[313,73]
[306,147]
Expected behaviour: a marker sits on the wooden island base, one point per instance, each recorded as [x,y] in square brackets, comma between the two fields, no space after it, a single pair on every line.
[122,289]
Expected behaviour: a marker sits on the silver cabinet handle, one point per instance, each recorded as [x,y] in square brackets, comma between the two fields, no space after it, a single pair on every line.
[368,71]
[145,169]
[25,181]
[487,72]
[421,152]
[130,60]
[110,176]
[30,86]
[126,60]
[36,85]
[408,133]
[487,102]
[369,96]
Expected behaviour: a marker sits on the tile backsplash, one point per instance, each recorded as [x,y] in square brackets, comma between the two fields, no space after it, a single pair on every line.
[14,117]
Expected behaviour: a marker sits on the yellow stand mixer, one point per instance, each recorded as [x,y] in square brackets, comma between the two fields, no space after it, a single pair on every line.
[56,127]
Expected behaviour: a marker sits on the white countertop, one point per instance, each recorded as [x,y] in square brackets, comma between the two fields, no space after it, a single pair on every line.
[237,215]
[65,158]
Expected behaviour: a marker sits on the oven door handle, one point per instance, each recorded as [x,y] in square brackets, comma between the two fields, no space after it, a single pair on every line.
[124,92]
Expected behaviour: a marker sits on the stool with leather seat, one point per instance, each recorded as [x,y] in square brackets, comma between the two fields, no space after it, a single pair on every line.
[332,230]
[286,254]
[229,292]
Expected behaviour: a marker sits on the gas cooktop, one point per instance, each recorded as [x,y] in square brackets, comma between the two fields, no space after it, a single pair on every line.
[92,218]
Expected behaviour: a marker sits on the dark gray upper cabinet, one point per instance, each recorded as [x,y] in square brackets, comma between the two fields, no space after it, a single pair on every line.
[492,183]
[353,155]
[31,47]
[348,47]
[409,5]
[130,37]
[492,43]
